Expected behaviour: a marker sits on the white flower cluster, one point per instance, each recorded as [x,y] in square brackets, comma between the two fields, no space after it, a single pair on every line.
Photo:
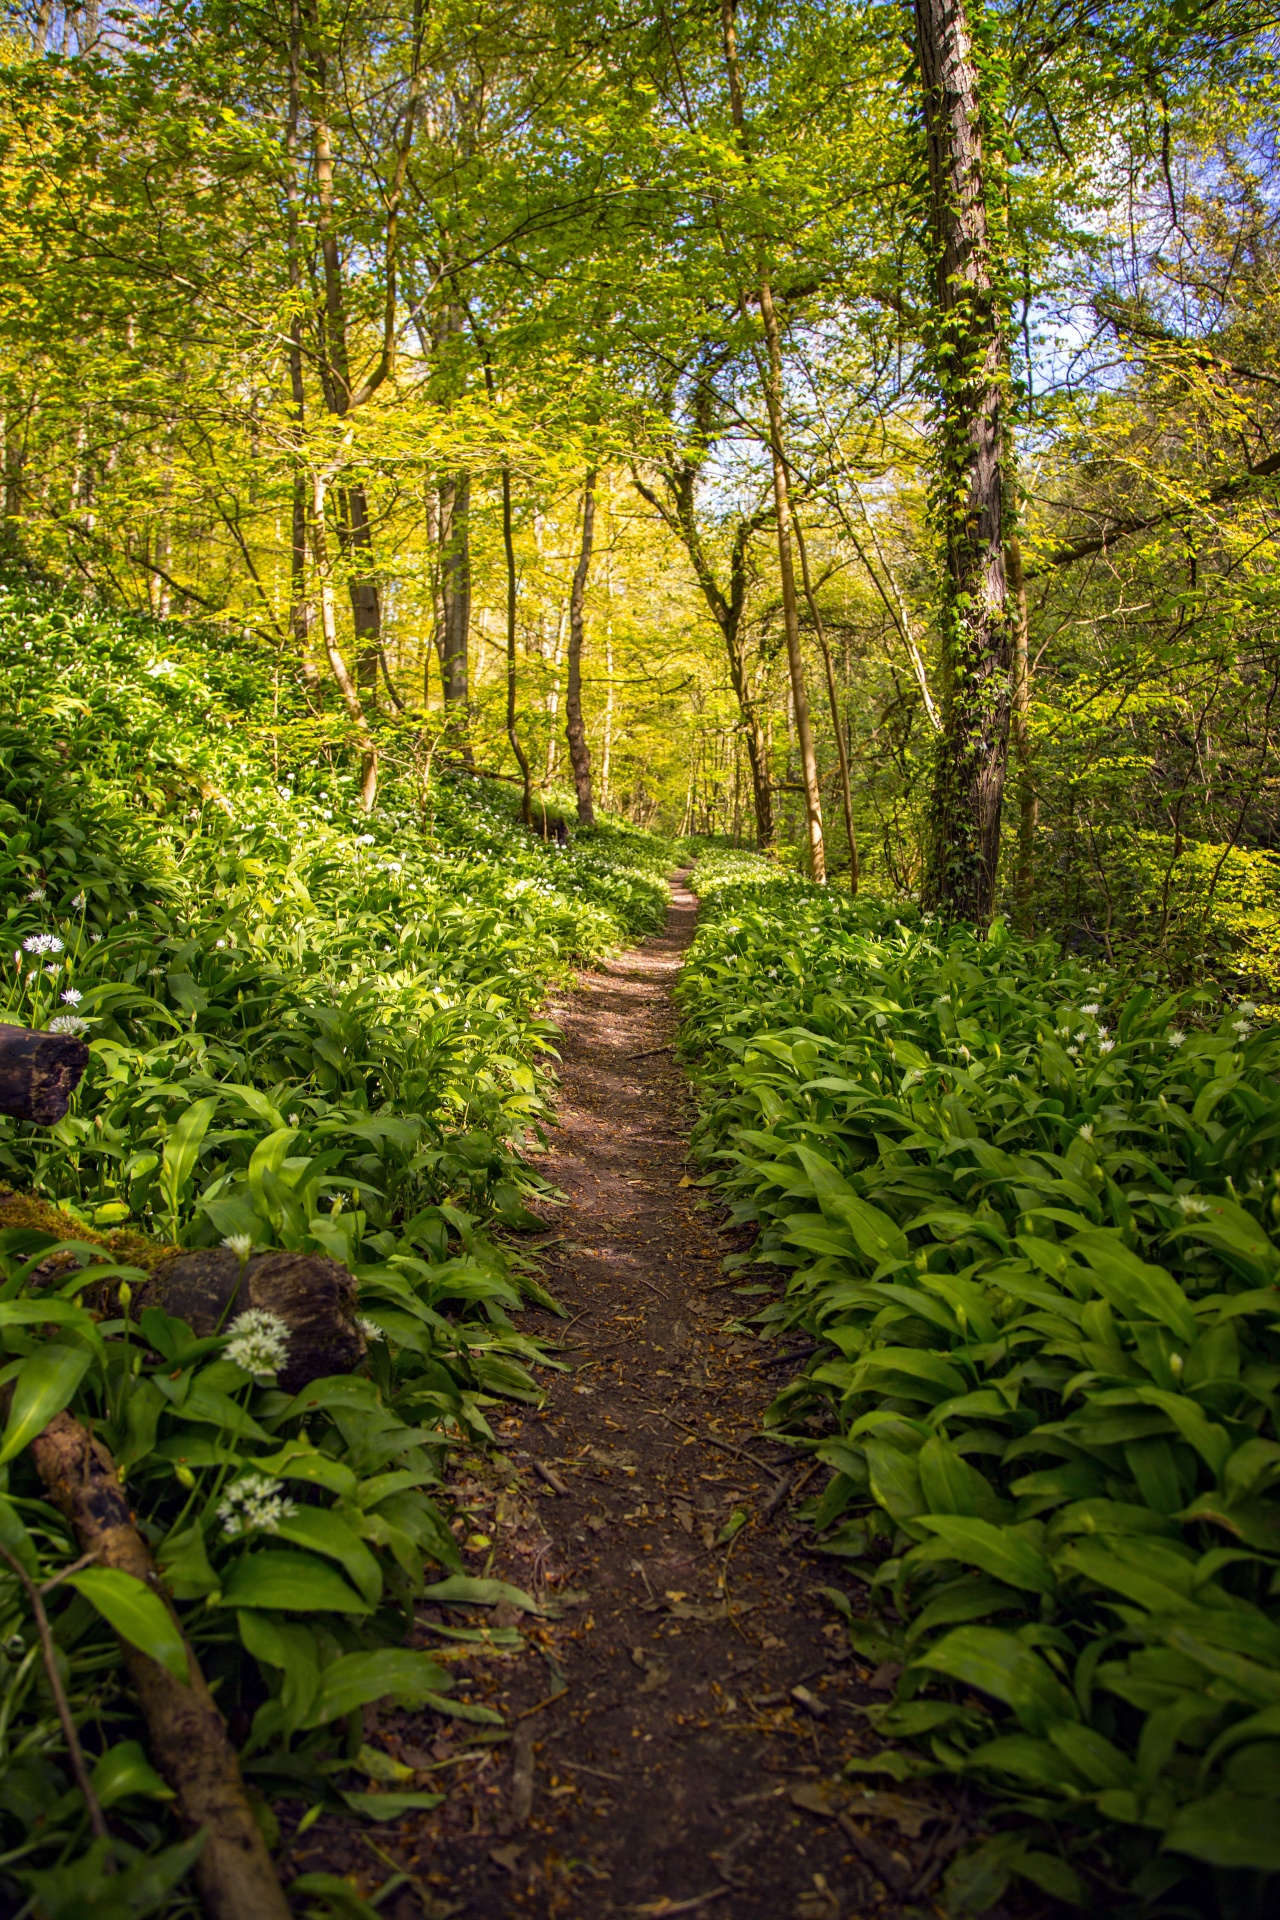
[36,895]
[259,1342]
[1190,1207]
[1175,1036]
[42,943]
[68,1023]
[241,1244]
[253,1504]
[369,1328]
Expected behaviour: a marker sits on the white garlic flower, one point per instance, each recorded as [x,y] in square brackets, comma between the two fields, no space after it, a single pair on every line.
[68,1023]
[253,1504]
[72,997]
[1105,1046]
[259,1343]
[1091,1006]
[369,1328]
[80,902]
[42,943]
[1073,1053]
[1081,1038]
[241,1244]
[1243,1027]
[36,895]
[1086,1131]
[364,840]
[1191,1207]
[1175,1036]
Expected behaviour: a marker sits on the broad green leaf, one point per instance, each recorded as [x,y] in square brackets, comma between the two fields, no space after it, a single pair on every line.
[998,1664]
[465,1590]
[357,1678]
[390,1806]
[1227,1830]
[137,1614]
[1005,1555]
[322,1531]
[125,1769]
[290,1583]
[182,1148]
[46,1384]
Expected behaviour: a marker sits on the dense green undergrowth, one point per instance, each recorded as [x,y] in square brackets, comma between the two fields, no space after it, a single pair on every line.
[1028,1211]
[309,1030]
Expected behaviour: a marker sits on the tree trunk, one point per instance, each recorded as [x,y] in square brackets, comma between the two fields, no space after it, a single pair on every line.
[579,751]
[772,383]
[455,590]
[337,665]
[846,791]
[509,550]
[1028,798]
[362,587]
[968,355]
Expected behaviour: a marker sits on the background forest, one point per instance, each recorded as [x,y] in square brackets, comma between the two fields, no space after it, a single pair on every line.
[456,466]
[446,360]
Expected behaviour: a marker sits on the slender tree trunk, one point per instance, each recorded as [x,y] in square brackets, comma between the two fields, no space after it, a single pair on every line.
[355,531]
[781,490]
[968,353]
[455,593]
[509,549]
[1028,798]
[846,791]
[579,751]
[337,665]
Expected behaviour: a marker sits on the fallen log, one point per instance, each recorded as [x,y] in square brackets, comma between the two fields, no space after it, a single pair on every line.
[208,1286]
[185,1732]
[314,1296]
[39,1072]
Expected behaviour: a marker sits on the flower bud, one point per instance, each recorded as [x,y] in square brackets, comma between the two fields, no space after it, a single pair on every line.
[184,1476]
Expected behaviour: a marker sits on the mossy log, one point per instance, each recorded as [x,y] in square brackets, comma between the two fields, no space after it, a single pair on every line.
[208,1286]
[186,1734]
[314,1296]
[39,1072]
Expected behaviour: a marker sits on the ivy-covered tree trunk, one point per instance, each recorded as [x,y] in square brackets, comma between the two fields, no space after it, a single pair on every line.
[967,350]
[575,727]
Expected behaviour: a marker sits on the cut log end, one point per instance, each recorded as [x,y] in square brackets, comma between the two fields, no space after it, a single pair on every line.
[39,1072]
[314,1296]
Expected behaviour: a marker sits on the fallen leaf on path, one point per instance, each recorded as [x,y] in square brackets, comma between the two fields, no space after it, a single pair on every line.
[508,1858]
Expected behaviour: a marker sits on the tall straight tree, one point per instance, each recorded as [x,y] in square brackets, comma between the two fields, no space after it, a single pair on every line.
[771,379]
[969,361]
[575,727]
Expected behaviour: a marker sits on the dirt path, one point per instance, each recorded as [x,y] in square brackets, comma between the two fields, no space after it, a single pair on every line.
[693,1680]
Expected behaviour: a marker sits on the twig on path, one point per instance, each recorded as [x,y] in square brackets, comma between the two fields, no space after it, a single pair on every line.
[549,1478]
[661,1909]
[647,1051]
[725,1446]
[580,1766]
[538,1705]
[787,1492]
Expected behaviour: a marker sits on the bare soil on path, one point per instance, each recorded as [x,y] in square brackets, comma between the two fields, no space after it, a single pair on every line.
[671,1723]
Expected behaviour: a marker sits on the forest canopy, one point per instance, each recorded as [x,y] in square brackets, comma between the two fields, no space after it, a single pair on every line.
[822,425]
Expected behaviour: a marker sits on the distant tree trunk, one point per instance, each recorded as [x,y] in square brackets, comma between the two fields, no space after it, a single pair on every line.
[455,591]
[338,666]
[299,610]
[772,382]
[968,353]
[842,750]
[509,549]
[362,588]
[1028,798]
[579,751]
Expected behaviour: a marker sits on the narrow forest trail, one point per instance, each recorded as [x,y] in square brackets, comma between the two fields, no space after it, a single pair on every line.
[690,1681]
